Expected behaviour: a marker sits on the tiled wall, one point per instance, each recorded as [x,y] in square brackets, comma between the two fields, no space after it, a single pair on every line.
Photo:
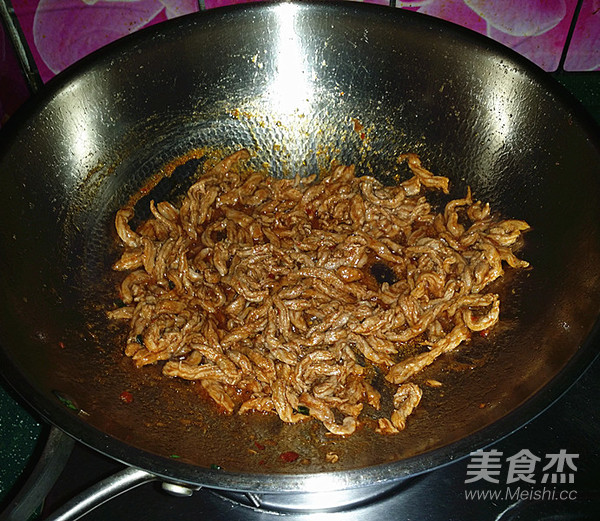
[59,32]
[13,88]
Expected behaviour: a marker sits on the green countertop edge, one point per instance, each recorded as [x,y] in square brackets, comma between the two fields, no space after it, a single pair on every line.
[585,86]
[21,439]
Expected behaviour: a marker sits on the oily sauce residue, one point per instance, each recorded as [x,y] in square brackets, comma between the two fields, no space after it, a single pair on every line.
[166,171]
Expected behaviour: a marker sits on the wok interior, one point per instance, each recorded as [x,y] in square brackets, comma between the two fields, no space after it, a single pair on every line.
[298,85]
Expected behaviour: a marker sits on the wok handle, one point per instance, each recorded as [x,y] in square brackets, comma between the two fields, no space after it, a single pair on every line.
[100,493]
[51,463]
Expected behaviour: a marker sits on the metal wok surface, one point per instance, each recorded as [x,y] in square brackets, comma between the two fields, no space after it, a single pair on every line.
[292,82]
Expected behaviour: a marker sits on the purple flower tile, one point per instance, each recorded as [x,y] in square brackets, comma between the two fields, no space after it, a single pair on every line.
[584,50]
[13,89]
[59,32]
[537,29]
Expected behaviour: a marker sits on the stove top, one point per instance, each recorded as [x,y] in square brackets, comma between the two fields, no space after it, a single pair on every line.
[548,470]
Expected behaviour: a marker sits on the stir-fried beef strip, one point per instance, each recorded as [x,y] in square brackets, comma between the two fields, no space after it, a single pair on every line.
[286,296]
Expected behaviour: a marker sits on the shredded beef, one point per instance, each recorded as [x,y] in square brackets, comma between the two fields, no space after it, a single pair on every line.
[287,295]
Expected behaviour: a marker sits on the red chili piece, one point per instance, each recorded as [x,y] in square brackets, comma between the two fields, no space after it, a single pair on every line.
[289,456]
[259,446]
[126,397]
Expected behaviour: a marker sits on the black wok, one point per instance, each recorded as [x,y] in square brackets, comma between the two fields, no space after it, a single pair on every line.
[292,82]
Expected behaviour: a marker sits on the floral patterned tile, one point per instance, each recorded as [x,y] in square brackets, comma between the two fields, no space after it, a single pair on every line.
[537,29]
[13,88]
[59,32]
[584,50]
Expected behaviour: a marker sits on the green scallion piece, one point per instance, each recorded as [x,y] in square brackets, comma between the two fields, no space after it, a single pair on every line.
[67,402]
[303,409]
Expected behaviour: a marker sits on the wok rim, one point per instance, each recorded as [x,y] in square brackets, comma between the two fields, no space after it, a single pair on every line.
[174,470]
